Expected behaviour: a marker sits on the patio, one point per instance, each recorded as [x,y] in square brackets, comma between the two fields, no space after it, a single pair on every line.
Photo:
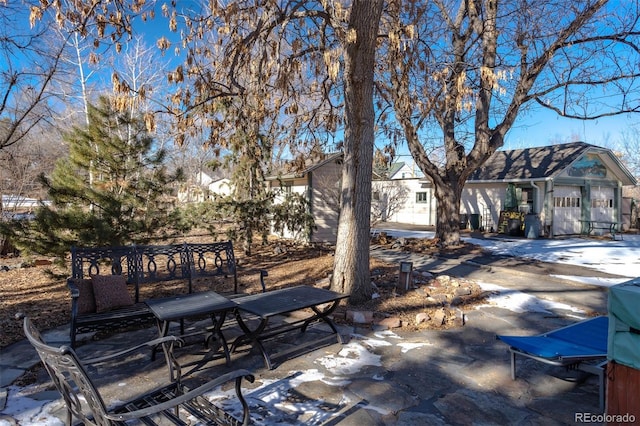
[377,377]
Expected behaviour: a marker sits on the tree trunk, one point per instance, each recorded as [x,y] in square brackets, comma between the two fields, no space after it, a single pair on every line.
[351,273]
[448,196]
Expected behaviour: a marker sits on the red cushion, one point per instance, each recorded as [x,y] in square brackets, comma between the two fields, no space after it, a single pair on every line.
[110,292]
[86,300]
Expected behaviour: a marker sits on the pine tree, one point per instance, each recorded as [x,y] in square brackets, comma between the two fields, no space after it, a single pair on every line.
[112,189]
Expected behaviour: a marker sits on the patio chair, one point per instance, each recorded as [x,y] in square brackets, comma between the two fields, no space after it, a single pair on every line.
[580,346]
[161,406]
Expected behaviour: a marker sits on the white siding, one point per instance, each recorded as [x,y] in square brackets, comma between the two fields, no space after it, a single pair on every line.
[404,205]
[325,195]
[487,200]
[322,188]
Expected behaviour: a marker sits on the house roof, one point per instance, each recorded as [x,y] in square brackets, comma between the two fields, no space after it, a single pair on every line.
[545,162]
[309,168]
[395,168]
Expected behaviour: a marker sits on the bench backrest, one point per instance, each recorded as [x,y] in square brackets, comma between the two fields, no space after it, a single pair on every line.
[154,264]
[212,259]
[88,261]
[157,263]
[69,377]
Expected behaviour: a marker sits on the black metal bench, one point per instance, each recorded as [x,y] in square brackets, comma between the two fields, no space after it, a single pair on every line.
[163,405]
[178,268]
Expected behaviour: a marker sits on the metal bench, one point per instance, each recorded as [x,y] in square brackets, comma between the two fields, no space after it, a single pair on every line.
[159,406]
[609,227]
[175,267]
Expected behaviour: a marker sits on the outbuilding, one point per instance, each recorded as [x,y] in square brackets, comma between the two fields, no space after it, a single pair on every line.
[569,187]
[563,189]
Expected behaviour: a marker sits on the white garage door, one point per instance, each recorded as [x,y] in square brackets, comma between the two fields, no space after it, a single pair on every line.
[602,204]
[566,210]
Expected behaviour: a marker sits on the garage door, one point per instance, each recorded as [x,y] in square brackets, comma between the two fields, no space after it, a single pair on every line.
[602,204]
[566,210]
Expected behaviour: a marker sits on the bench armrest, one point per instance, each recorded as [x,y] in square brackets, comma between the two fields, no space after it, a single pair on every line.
[73,288]
[236,375]
[150,344]
[263,273]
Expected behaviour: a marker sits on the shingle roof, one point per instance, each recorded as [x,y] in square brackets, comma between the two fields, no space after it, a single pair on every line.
[312,164]
[530,163]
[395,168]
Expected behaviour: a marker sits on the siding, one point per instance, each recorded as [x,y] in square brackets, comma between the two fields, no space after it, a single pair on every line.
[325,183]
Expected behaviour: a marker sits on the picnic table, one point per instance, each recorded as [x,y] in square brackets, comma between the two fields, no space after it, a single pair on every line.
[180,307]
[611,227]
[274,303]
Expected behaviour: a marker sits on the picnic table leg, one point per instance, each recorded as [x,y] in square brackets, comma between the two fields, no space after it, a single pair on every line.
[216,333]
[324,316]
[163,329]
[252,337]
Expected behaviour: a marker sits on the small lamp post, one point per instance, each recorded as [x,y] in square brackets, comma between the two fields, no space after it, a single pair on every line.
[405,275]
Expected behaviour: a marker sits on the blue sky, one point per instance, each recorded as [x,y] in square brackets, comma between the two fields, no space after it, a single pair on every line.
[534,128]
[542,127]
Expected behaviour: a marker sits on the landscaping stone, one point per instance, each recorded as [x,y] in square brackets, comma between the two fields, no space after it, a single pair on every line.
[392,322]
[439,317]
[360,317]
[422,317]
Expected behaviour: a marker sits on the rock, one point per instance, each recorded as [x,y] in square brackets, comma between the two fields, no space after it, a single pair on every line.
[439,317]
[391,322]
[457,300]
[400,242]
[324,282]
[360,317]
[438,298]
[462,291]
[443,279]
[422,317]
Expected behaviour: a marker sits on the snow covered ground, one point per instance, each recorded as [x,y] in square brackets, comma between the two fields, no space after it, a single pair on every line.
[605,255]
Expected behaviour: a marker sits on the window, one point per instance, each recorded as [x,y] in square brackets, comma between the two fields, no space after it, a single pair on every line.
[602,203]
[566,202]
[421,197]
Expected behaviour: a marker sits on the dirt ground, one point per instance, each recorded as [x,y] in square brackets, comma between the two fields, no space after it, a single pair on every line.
[37,288]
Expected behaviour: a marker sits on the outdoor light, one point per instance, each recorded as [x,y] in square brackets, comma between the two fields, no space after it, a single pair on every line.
[405,274]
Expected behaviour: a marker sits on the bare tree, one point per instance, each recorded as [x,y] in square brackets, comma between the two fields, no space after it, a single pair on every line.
[29,63]
[459,73]
[628,149]
[388,198]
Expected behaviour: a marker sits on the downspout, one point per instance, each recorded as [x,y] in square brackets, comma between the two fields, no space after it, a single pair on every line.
[537,190]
